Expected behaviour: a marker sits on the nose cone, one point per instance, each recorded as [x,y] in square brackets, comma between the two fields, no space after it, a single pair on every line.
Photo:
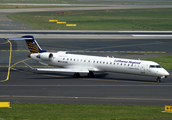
[164,72]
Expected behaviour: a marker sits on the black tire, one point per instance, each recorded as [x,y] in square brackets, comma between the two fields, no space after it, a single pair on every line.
[90,74]
[158,79]
[76,75]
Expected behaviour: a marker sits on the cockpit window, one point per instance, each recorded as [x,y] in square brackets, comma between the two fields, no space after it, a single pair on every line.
[154,66]
[158,66]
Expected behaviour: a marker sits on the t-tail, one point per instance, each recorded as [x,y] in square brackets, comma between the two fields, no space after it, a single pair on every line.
[31,43]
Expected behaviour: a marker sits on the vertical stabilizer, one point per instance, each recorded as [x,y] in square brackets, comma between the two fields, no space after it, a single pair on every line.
[32,44]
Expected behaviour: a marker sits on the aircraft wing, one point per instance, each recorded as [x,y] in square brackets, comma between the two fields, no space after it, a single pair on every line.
[71,69]
[74,70]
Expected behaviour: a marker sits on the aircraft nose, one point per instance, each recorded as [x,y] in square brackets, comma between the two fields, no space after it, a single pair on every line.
[165,73]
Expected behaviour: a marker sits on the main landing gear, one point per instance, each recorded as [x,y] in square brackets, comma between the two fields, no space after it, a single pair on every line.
[77,75]
[90,74]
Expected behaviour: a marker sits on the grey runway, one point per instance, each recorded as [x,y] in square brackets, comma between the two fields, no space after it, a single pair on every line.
[26,85]
[107,88]
[104,7]
[21,84]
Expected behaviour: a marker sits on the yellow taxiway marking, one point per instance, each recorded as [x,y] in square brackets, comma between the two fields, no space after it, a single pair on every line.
[9,65]
[92,79]
[19,62]
[95,51]
[4,43]
[38,73]
[32,66]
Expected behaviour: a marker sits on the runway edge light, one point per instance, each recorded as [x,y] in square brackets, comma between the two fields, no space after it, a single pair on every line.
[5,104]
[168,109]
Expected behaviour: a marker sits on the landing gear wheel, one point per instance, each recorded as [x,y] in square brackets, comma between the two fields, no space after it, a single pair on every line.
[90,74]
[76,75]
[158,79]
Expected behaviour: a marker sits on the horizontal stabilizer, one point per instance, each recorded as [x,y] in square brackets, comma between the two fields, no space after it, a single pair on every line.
[28,66]
[31,43]
[19,38]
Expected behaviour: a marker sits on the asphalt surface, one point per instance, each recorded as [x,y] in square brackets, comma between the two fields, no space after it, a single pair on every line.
[21,84]
[8,24]
[103,7]
[26,85]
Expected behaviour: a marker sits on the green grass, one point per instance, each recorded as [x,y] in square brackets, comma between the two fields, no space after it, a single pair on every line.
[81,112]
[136,19]
[164,61]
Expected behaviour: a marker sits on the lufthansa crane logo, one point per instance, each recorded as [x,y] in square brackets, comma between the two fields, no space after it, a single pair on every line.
[32,47]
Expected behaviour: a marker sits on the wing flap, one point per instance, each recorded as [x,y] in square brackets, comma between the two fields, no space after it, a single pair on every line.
[74,70]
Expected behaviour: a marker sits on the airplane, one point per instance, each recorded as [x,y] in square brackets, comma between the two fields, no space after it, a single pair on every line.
[75,63]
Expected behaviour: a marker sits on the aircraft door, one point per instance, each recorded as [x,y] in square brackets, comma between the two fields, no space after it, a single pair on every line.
[142,69]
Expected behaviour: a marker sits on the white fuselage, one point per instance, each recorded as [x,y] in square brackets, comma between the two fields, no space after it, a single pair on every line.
[103,64]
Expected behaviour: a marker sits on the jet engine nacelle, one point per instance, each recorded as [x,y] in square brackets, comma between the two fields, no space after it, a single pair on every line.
[45,56]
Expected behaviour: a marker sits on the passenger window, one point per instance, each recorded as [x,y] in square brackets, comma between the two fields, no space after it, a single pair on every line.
[63,58]
[113,63]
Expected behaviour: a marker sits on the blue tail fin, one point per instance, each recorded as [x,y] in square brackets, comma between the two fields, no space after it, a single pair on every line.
[32,44]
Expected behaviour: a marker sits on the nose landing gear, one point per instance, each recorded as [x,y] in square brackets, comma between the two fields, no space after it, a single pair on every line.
[159,78]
